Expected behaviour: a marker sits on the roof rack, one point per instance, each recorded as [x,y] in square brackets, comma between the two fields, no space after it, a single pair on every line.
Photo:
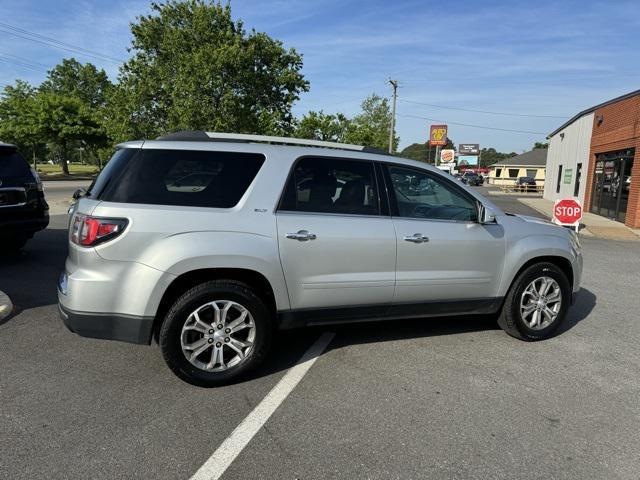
[241,137]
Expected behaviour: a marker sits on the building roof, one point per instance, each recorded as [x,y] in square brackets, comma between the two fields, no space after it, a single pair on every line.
[593,109]
[535,158]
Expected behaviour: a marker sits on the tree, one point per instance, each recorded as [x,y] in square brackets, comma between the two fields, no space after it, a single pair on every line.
[541,145]
[422,152]
[18,119]
[371,126]
[73,79]
[62,121]
[322,126]
[195,68]
[489,156]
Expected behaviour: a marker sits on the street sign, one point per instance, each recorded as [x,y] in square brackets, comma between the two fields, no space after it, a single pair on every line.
[447,156]
[469,148]
[438,135]
[568,212]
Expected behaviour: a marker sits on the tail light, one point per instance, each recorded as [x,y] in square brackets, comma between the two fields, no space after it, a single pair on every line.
[36,177]
[88,231]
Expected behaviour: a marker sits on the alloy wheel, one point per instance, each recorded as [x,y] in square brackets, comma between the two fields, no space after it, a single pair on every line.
[540,303]
[218,335]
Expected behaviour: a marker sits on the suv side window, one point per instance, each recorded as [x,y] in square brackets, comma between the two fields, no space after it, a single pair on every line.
[183,177]
[329,185]
[419,194]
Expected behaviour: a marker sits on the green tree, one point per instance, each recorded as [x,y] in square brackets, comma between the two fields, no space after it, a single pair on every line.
[83,81]
[64,121]
[91,86]
[371,126]
[422,152]
[322,126]
[489,156]
[18,119]
[541,145]
[194,67]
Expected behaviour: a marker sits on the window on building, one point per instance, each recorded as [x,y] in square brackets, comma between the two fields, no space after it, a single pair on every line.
[531,172]
[576,188]
[513,172]
[559,179]
[498,172]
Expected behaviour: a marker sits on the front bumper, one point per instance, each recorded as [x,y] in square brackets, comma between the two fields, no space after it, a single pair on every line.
[124,328]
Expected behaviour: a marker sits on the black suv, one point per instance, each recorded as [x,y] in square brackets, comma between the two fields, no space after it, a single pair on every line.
[23,209]
[472,179]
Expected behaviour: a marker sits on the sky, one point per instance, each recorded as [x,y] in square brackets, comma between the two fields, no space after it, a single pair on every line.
[531,64]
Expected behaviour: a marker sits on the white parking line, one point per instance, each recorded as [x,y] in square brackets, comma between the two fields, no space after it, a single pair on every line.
[242,435]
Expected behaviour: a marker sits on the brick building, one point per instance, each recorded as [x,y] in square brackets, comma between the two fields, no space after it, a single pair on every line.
[595,157]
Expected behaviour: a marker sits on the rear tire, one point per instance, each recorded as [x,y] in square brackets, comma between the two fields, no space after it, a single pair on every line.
[537,303]
[215,333]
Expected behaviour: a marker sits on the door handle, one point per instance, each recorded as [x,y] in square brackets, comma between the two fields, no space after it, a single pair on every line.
[416,238]
[302,236]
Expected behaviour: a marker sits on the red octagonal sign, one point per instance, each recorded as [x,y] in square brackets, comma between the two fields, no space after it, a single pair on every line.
[567,211]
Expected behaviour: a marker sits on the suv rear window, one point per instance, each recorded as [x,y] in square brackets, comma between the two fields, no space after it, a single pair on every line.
[183,177]
[12,164]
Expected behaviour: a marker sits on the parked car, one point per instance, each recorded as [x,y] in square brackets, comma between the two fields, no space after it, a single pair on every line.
[265,241]
[525,184]
[471,178]
[23,208]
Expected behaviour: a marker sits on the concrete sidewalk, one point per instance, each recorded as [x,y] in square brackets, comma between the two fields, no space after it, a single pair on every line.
[594,225]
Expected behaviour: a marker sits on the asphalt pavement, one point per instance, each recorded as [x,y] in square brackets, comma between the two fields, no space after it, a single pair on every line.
[450,398]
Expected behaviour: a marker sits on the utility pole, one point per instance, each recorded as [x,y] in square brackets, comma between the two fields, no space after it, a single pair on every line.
[394,85]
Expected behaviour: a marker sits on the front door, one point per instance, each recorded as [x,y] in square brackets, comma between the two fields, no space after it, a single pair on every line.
[445,257]
[337,246]
[611,184]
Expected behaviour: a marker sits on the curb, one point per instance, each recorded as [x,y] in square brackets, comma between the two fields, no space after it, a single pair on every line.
[6,307]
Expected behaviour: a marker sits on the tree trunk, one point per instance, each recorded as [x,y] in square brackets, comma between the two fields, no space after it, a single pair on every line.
[65,165]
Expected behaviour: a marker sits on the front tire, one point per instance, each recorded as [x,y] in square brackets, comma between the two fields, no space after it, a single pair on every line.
[537,303]
[215,332]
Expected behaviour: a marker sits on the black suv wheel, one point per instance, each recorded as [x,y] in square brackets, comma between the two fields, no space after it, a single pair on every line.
[537,303]
[215,332]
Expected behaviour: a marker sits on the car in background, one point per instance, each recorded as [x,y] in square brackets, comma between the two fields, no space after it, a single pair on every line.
[472,179]
[524,184]
[23,208]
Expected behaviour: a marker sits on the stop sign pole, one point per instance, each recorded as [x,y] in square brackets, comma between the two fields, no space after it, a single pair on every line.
[567,212]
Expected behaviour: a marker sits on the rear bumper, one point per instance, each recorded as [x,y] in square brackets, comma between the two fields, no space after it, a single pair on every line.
[123,328]
[17,225]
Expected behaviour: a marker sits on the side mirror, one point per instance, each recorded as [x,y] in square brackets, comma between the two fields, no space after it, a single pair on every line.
[485,215]
[81,192]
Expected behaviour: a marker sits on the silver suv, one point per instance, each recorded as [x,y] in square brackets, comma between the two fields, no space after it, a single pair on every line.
[208,243]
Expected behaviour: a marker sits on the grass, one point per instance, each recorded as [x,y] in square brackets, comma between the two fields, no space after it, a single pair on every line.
[47,170]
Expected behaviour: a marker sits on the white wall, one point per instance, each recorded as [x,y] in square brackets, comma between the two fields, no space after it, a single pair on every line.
[569,151]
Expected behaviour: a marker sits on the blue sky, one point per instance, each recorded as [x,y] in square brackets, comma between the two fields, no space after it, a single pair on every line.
[539,58]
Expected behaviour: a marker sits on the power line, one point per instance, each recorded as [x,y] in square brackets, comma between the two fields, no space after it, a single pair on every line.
[52,42]
[483,111]
[19,63]
[474,126]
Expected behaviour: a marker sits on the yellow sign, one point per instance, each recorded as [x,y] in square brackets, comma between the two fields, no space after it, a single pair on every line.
[438,135]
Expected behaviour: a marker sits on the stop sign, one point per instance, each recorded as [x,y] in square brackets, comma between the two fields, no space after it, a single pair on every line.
[567,211]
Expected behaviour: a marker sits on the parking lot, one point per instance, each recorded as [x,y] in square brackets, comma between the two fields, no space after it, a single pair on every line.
[433,398]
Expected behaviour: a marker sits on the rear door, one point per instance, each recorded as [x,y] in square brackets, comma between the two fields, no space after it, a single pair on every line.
[337,242]
[444,255]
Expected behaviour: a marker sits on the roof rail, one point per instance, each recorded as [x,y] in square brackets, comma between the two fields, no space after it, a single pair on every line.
[241,137]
